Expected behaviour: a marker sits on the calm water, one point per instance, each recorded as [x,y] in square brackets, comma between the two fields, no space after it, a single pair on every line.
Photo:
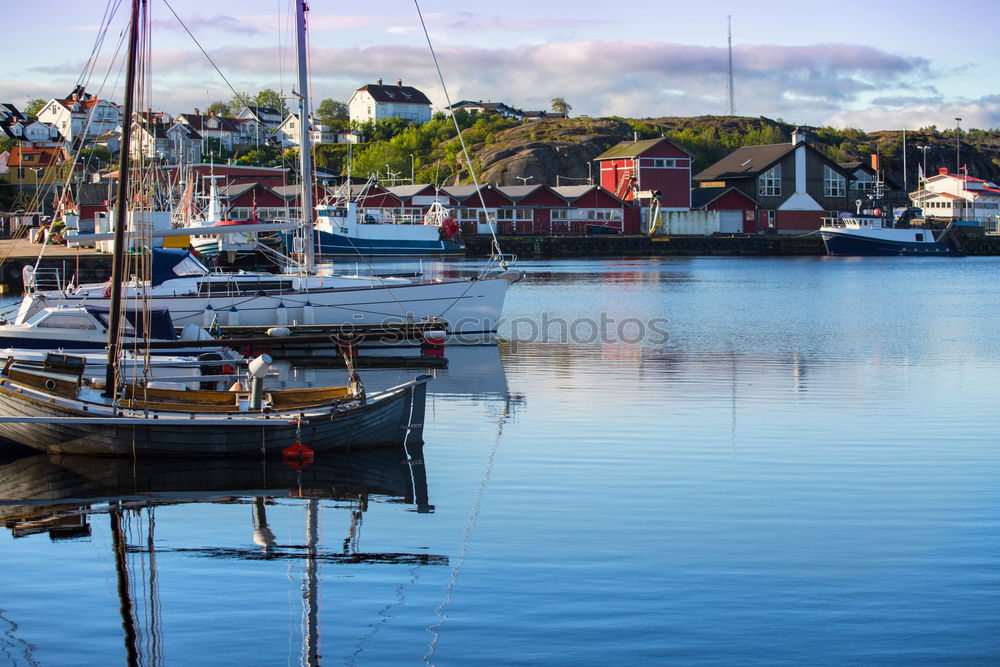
[768,461]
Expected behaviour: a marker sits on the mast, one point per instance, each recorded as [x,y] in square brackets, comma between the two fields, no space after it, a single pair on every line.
[118,257]
[305,143]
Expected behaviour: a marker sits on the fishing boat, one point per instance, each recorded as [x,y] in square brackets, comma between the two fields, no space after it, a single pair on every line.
[874,235]
[345,229]
[55,408]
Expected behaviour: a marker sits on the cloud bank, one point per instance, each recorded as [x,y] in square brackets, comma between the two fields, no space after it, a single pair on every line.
[838,84]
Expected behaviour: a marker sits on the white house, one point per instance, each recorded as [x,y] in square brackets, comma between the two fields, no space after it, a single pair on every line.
[376,102]
[289,133]
[212,127]
[958,197]
[81,116]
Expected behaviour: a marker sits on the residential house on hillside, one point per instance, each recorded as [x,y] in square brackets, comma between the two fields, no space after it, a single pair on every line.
[149,135]
[31,165]
[81,117]
[211,129]
[640,169]
[498,108]
[289,133]
[795,184]
[947,196]
[376,102]
[8,111]
[37,133]
[265,120]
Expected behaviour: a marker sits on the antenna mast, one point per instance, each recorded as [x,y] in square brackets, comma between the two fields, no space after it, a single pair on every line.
[730,91]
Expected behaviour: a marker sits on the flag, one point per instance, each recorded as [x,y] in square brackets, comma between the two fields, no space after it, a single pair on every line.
[920,172]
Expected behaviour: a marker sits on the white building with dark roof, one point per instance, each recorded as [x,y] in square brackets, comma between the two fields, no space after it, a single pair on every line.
[376,102]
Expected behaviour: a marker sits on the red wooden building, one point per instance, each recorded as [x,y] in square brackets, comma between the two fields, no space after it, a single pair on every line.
[637,169]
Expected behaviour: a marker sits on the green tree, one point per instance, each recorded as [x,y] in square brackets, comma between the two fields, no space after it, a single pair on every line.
[33,106]
[560,105]
[219,108]
[239,101]
[272,99]
[6,143]
[333,114]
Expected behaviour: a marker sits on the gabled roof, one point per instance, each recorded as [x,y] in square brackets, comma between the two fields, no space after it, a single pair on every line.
[746,161]
[702,197]
[47,156]
[518,192]
[234,190]
[409,191]
[459,192]
[571,192]
[8,110]
[395,94]
[198,122]
[634,148]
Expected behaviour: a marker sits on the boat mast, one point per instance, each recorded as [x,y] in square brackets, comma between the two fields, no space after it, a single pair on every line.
[118,255]
[305,132]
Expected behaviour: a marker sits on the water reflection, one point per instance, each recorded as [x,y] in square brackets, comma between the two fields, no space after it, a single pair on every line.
[63,497]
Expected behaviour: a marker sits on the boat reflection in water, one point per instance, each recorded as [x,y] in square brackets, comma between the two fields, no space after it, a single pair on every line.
[63,496]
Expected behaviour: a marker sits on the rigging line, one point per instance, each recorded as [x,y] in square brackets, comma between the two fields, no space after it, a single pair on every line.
[461,139]
[464,551]
[201,48]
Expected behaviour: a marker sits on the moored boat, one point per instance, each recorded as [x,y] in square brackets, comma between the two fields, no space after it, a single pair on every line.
[870,235]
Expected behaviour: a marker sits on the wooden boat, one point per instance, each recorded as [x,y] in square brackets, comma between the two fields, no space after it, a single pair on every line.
[52,409]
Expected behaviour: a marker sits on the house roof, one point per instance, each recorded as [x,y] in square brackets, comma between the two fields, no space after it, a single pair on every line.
[395,94]
[634,148]
[702,197]
[746,161]
[519,192]
[10,111]
[198,122]
[408,191]
[459,191]
[46,156]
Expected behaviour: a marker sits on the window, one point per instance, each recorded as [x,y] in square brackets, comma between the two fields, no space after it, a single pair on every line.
[63,321]
[833,183]
[663,163]
[770,182]
[560,214]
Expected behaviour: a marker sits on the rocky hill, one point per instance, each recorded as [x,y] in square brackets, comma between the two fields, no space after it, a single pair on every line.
[559,151]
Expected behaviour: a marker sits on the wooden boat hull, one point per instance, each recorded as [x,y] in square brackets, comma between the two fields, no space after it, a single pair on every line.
[61,426]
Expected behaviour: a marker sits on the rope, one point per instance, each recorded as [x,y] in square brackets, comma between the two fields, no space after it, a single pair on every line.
[461,139]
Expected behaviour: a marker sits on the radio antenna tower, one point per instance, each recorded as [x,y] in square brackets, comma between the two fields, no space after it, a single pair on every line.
[730,91]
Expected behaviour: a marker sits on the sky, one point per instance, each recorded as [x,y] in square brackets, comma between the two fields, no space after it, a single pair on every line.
[881,64]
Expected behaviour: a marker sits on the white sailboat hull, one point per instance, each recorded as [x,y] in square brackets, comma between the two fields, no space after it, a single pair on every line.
[465,306]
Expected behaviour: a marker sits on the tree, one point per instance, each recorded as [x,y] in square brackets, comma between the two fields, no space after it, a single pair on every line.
[333,114]
[239,101]
[219,108]
[272,99]
[33,107]
[560,105]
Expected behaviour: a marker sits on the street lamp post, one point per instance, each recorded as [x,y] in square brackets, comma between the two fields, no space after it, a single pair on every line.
[412,171]
[924,150]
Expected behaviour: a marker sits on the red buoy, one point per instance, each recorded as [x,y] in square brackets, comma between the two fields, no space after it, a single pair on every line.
[297,456]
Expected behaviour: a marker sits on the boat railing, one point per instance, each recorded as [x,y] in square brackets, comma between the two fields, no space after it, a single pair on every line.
[44,279]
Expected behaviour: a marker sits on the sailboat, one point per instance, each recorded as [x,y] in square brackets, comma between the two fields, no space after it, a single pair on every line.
[193,293]
[56,409]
